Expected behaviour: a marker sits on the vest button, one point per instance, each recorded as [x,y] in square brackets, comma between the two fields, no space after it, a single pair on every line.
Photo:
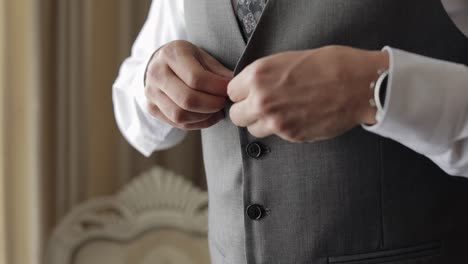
[255,212]
[254,150]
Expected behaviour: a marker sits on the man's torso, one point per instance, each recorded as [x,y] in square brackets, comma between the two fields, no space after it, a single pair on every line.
[358,198]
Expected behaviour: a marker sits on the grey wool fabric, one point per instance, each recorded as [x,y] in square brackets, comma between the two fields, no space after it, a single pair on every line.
[358,198]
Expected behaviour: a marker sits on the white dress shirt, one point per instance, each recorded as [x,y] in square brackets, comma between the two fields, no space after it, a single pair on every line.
[426,106]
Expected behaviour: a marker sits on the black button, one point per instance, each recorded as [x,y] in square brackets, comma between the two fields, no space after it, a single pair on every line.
[254,150]
[255,212]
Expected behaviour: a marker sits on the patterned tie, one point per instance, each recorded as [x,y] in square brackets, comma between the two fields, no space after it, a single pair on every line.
[248,13]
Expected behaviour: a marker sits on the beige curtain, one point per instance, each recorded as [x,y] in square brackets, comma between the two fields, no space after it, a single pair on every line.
[59,141]
[20,131]
[2,135]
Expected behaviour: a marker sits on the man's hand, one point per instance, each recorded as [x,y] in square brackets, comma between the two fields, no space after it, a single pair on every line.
[186,87]
[306,95]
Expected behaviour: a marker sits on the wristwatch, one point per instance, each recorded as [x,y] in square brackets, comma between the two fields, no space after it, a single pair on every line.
[380,92]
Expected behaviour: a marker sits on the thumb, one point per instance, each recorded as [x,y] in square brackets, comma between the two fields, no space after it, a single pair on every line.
[215,66]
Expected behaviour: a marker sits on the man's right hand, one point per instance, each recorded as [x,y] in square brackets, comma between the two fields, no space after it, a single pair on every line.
[186,87]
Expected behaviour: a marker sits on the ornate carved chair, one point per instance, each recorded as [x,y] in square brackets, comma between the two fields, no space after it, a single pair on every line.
[159,218]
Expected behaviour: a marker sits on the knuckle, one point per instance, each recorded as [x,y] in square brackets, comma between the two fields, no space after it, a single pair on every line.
[162,80]
[294,134]
[260,67]
[179,43]
[193,126]
[188,102]
[252,132]
[157,73]
[279,124]
[178,116]
[263,105]
[180,126]
[257,82]
[331,48]
[257,75]
[185,126]
[194,80]
[176,48]
[149,92]
[152,94]
[152,71]
[166,52]
[152,110]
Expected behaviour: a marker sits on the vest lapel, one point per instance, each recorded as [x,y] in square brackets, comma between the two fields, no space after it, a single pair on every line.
[230,21]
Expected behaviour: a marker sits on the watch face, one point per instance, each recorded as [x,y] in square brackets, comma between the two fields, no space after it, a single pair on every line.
[383,91]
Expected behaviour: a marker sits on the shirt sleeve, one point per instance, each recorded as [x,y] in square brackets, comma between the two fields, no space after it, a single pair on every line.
[147,134]
[426,109]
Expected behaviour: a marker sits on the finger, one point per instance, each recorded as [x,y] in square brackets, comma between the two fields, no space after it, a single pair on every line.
[242,114]
[189,99]
[260,129]
[214,118]
[238,88]
[195,76]
[156,113]
[176,114]
[215,66]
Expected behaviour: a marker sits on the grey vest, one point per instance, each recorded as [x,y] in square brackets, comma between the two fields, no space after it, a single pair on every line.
[358,198]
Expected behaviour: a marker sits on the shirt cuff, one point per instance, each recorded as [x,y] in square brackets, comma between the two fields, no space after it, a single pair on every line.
[423,104]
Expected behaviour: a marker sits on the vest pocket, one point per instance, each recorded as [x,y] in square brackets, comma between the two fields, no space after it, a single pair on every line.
[388,256]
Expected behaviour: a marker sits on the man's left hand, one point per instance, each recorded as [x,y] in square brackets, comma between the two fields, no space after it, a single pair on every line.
[309,95]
